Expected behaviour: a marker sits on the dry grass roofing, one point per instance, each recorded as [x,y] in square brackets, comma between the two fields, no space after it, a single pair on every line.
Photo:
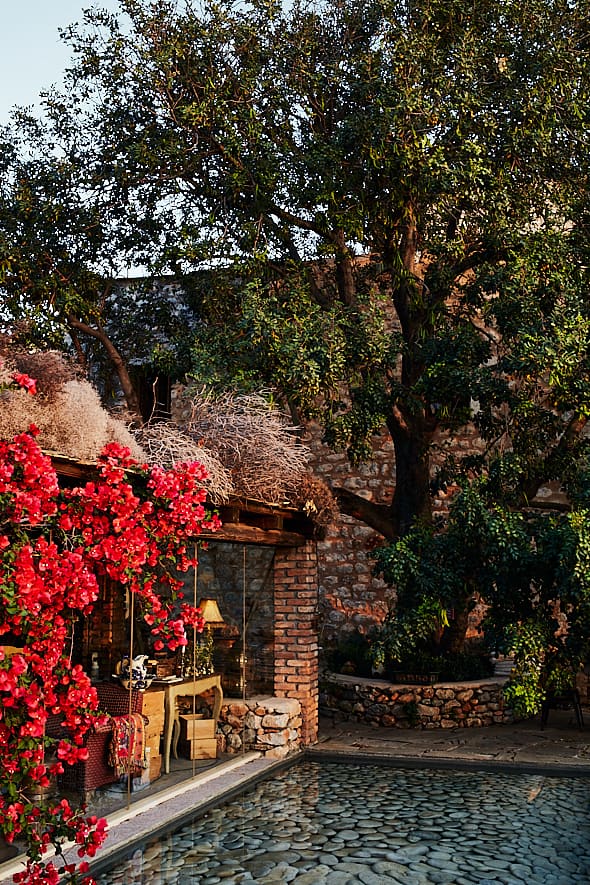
[249,447]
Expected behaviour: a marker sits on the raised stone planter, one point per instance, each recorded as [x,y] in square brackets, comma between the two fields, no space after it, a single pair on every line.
[267,724]
[441,705]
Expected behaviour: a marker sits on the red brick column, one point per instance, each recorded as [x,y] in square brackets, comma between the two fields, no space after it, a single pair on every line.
[296,639]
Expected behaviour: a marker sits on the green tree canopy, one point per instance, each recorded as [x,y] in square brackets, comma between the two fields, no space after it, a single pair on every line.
[379,208]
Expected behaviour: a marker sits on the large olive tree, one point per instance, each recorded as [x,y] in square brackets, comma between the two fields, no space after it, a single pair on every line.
[379,207]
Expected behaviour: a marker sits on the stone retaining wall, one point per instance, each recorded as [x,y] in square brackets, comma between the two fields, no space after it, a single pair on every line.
[380,703]
[269,725]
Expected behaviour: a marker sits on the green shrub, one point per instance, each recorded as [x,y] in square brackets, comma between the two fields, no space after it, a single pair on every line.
[350,655]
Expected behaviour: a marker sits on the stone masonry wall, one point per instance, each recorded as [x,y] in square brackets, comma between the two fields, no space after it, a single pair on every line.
[350,594]
[271,726]
[380,703]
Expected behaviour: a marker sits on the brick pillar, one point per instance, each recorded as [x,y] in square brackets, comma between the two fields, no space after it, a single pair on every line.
[296,638]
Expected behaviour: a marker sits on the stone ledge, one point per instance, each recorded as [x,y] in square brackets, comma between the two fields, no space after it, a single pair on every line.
[379,703]
[373,680]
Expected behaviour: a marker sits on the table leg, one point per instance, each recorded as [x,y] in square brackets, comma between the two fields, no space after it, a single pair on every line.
[217,702]
[168,729]
[175,734]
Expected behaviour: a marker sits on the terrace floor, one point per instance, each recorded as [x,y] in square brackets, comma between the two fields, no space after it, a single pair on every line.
[561,744]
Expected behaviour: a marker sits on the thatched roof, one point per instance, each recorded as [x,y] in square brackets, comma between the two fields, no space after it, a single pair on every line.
[249,448]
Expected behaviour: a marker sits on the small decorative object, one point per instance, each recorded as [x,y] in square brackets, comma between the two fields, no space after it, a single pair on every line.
[211,614]
[136,676]
[404,678]
[200,662]
[94,668]
[166,665]
[224,634]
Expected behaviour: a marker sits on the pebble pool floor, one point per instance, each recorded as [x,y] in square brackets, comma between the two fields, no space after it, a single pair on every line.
[343,823]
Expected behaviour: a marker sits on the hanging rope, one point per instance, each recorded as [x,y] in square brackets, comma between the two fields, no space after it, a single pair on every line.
[131,641]
[243,656]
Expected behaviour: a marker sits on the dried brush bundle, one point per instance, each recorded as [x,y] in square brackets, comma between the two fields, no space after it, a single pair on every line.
[51,369]
[253,441]
[317,501]
[117,431]
[5,376]
[67,409]
[166,444]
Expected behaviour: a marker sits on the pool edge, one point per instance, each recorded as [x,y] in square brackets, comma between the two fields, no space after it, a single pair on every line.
[140,820]
[550,769]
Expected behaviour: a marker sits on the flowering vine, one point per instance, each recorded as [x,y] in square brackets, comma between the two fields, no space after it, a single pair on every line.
[128,522]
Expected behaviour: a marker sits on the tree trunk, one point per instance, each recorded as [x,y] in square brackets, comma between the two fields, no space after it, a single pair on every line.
[411,498]
[453,638]
[345,273]
[129,392]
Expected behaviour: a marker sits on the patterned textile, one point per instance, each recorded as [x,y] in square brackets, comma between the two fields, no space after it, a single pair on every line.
[127,747]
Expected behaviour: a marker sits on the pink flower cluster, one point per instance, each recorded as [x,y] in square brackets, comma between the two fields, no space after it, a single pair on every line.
[24,381]
[130,523]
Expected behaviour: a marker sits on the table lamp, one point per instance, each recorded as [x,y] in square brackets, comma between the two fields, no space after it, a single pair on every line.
[211,614]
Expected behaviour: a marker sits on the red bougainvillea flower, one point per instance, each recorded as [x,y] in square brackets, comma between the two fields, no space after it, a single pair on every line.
[24,381]
[132,524]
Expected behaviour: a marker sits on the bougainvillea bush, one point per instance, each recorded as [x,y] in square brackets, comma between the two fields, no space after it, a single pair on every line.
[127,522]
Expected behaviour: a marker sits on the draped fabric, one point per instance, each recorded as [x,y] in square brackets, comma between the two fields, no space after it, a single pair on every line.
[127,747]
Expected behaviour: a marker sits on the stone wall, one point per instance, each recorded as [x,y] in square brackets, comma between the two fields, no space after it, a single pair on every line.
[351,596]
[380,703]
[271,726]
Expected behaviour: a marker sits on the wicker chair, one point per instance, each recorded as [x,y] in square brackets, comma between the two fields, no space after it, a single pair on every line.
[95,772]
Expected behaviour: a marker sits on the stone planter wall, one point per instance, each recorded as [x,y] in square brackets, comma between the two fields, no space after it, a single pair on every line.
[269,725]
[380,703]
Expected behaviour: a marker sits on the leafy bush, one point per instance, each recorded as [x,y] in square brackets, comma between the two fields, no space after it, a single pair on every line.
[128,523]
[351,655]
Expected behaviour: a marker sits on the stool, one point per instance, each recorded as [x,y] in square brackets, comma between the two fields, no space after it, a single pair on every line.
[563,700]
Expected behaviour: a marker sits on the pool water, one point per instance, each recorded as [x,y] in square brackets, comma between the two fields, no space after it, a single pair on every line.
[340,823]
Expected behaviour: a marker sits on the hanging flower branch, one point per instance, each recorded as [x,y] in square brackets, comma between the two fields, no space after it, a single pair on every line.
[131,523]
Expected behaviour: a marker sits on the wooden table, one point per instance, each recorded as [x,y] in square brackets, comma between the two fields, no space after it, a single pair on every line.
[187,688]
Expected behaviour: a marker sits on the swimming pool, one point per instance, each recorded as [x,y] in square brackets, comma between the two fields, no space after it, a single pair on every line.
[341,823]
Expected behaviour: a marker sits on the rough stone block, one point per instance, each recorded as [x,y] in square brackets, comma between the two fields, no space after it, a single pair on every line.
[278,720]
[451,705]
[274,738]
[277,752]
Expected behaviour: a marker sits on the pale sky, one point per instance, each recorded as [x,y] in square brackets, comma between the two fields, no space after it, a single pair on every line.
[32,57]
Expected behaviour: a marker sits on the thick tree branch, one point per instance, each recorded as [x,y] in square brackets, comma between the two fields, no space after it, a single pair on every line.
[567,441]
[117,360]
[377,516]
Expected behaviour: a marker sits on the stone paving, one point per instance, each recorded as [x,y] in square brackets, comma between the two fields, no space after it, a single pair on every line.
[148,812]
[369,824]
[560,745]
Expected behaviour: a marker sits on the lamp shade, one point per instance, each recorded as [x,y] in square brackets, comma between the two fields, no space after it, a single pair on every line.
[210,612]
